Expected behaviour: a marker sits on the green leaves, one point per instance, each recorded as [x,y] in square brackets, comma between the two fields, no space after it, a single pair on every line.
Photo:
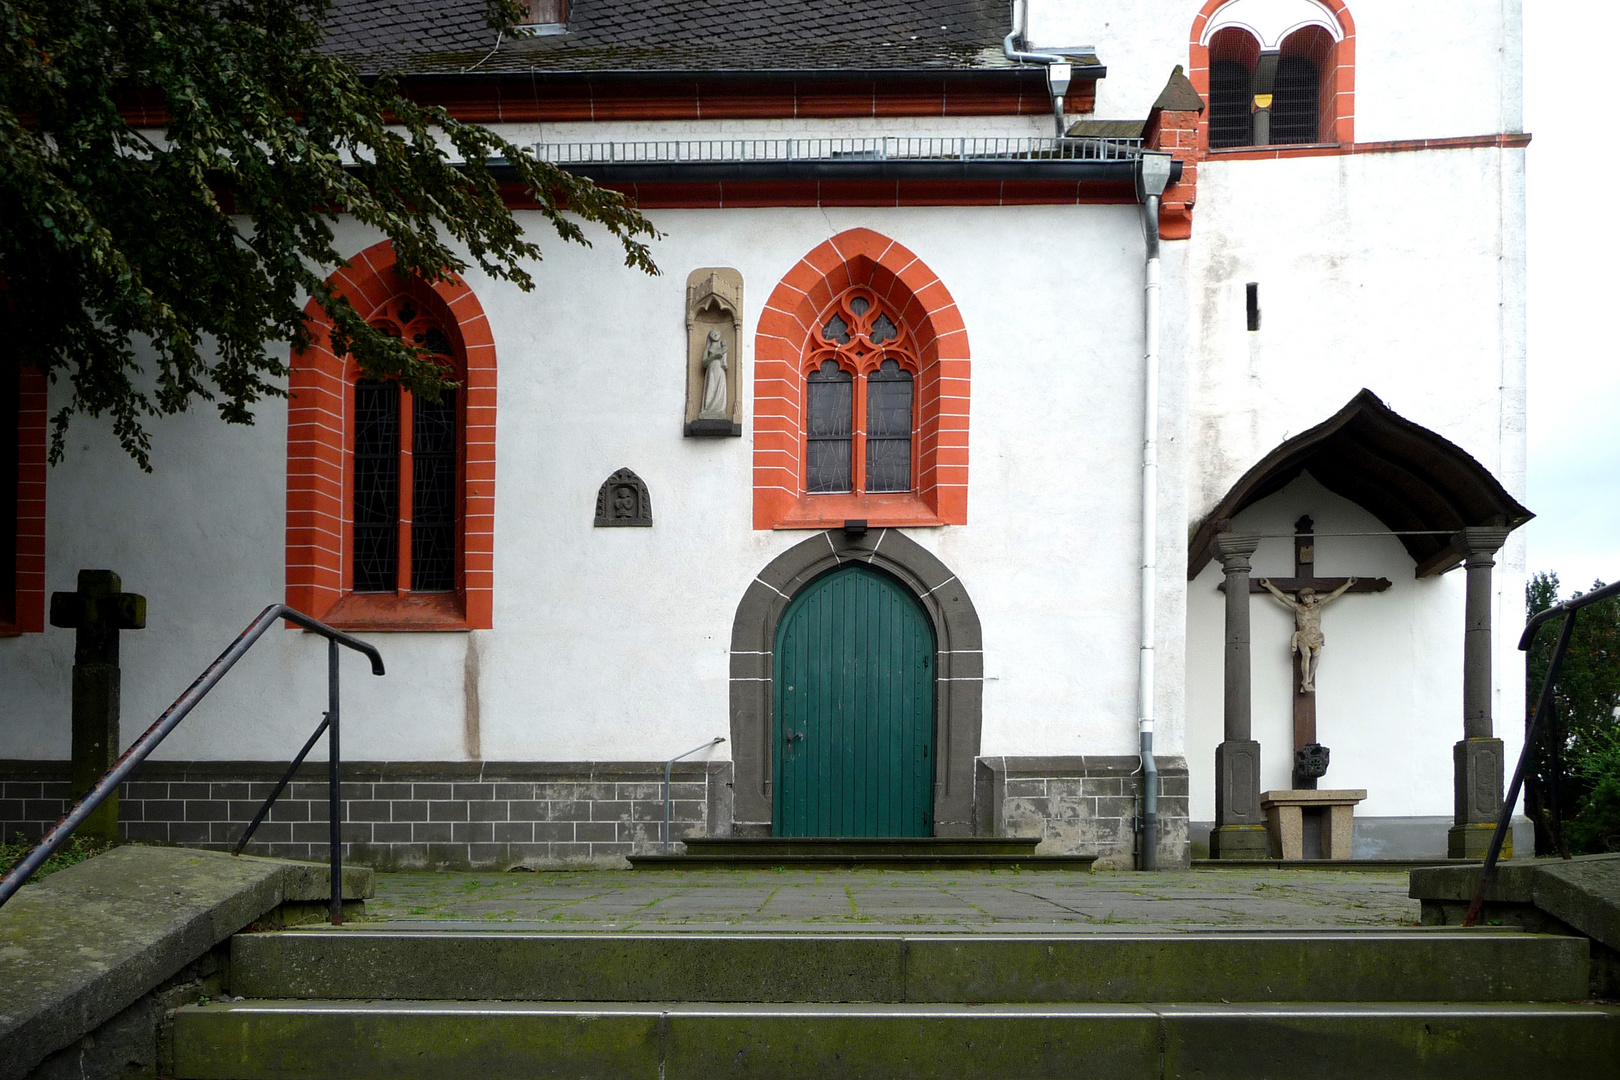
[153,269]
[1576,766]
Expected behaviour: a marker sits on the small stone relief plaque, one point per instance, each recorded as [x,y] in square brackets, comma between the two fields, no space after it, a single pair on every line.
[714,296]
[623,502]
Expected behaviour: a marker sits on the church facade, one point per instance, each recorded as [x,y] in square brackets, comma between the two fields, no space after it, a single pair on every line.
[987,350]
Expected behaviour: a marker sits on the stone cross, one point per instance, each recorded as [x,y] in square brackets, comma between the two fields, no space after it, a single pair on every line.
[97,611]
[1305,700]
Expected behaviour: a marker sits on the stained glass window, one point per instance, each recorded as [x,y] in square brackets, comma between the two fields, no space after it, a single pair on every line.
[376,486]
[433,494]
[869,384]
[888,428]
[831,429]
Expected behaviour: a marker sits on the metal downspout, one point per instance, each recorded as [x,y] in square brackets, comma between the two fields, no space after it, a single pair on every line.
[1015,46]
[1153,175]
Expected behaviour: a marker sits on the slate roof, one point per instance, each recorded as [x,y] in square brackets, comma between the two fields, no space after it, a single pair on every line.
[450,36]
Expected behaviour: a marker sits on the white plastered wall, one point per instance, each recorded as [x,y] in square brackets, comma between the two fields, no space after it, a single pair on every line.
[611,643]
[1369,284]
[1440,68]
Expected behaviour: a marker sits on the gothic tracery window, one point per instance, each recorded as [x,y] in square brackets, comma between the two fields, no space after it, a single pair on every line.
[405,474]
[860,414]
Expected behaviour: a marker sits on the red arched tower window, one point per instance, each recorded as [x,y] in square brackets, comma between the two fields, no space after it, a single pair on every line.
[861,392]
[1274,74]
[390,496]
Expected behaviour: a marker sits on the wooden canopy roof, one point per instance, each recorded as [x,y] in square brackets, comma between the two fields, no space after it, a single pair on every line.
[1408,477]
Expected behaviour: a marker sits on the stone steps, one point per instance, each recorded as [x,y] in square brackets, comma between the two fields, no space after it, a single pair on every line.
[411,1040]
[867,853]
[861,845]
[364,1002]
[862,861]
[1390,966]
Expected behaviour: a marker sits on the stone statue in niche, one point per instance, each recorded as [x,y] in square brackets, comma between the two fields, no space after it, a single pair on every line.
[716,399]
[1307,640]
[622,502]
[713,329]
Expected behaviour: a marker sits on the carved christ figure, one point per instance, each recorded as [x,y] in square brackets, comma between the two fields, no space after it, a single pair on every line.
[1307,640]
[715,397]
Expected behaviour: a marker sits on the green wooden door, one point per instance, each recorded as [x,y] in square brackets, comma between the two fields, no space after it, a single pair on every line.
[853,708]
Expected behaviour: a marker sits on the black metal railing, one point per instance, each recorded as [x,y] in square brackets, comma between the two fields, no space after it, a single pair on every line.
[141,747]
[1567,611]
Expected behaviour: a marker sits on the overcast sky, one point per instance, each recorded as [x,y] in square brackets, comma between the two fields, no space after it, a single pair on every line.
[1574,231]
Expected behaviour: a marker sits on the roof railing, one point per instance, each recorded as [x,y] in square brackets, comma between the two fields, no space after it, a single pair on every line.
[876,148]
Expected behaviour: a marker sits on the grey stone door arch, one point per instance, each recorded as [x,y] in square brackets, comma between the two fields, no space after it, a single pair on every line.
[960,694]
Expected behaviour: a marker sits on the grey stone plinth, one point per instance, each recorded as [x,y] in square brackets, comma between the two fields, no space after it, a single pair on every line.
[1240,842]
[1237,783]
[1285,820]
[1477,776]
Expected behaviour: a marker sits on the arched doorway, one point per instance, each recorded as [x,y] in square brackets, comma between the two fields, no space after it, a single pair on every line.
[958,668]
[853,708]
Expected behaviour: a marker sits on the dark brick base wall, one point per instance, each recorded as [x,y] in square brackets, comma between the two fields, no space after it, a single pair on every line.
[1082,805]
[497,815]
[400,815]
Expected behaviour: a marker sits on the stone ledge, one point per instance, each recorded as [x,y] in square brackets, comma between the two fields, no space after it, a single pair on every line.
[1583,893]
[87,942]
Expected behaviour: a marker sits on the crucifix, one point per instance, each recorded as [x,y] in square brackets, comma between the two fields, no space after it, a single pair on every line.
[98,610]
[1309,594]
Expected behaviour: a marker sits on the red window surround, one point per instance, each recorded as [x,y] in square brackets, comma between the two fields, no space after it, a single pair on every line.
[788,345]
[22,608]
[1337,60]
[320,468]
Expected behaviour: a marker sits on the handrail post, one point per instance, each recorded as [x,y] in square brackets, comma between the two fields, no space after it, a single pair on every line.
[670,764]
[334,782]
[1487,873]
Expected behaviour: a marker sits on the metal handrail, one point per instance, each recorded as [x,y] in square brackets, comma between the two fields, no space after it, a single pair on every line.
[177,712]
[1567,610]
[670,764]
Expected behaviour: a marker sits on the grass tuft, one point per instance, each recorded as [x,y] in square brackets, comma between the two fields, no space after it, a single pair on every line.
[76,850]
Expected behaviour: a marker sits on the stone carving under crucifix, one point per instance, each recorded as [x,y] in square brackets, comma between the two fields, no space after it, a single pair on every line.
[622,502]
[1310,594]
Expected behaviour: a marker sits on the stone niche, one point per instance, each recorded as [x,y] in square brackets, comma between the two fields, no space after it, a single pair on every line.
[714,304]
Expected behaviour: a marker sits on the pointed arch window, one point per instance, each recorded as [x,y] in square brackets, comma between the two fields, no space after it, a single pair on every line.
[861,408]
[406,473]
[390,496]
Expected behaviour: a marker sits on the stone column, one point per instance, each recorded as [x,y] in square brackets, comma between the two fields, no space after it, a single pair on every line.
[1477,760]
[1240,827]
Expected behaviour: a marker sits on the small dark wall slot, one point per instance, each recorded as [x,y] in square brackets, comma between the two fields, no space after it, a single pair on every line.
[1253,304]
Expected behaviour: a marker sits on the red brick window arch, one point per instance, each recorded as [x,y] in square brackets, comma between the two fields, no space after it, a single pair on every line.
[22,498]
[1294,59]
[390,496]
[861,392]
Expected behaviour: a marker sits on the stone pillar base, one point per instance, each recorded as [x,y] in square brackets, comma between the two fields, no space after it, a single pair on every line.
[1239,842]
[1477,781]
[1472,841]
